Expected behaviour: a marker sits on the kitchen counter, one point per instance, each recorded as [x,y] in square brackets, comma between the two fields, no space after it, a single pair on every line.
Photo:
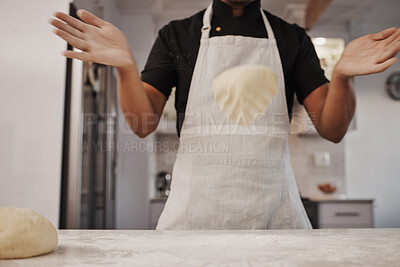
[355,247]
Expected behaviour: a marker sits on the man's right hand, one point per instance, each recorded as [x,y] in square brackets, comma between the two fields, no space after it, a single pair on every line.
[100,41]
[103,43]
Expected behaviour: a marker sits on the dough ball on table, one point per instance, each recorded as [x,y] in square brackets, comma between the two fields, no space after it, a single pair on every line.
[245,92]
[25,233]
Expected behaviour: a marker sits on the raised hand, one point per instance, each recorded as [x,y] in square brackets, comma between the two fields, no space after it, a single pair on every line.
[370,54]
[99,41]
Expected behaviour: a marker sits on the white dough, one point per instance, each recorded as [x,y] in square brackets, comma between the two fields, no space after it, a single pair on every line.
[25,233]
[245,91]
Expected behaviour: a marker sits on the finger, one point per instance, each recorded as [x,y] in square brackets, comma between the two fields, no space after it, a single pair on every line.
[65,27]
[384,66]
[76,55]
[383,34]
[89,18]
[73,22]
[390,51]
[72,40]
[394,47]
[393,38]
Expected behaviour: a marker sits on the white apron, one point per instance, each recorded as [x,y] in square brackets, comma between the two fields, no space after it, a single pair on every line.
[229,176]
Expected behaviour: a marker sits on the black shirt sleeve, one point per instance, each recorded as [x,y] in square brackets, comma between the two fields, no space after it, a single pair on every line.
[307,68]
[160,71]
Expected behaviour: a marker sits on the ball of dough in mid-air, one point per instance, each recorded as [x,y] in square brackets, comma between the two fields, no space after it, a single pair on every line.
[25,233]
[245,92]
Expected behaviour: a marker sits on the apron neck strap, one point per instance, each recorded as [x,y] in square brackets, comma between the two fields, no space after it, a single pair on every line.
[271,35]
[206,29]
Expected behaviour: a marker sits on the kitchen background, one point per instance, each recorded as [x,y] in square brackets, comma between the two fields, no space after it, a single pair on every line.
[363,167]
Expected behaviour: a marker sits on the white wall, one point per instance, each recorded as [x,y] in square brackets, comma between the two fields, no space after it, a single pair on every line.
[373,150]
[32,85]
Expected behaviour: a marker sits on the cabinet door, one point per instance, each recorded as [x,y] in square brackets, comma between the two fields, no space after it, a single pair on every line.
[345,215]
[156,209]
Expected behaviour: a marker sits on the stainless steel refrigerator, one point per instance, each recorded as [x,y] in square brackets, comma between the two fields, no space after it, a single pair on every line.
[89,141]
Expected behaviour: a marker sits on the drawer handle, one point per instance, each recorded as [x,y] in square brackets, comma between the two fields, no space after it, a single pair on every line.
[347,214]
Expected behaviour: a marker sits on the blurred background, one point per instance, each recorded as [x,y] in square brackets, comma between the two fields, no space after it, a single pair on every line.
[67,153]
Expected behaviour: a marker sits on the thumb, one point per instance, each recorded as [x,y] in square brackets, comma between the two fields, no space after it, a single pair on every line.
[90,18]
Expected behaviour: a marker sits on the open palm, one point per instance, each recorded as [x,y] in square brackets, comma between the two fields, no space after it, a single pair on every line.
[370,54]
[99,41]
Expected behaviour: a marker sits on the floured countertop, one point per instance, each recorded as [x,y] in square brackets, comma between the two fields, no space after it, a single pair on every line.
[355,247]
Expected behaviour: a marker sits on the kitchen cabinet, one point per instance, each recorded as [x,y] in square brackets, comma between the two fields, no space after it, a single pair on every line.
[345,214]
[155,210]
[350,247]
[323,214]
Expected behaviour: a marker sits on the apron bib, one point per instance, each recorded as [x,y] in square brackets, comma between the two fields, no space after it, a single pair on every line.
[230,176]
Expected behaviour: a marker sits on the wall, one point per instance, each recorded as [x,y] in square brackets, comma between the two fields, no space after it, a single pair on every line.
[32,85]
[308,175]
[373,150]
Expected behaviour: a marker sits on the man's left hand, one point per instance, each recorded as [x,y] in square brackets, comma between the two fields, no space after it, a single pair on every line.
[369,54]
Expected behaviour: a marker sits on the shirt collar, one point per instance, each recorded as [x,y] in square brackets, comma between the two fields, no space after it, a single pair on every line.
[223,10]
